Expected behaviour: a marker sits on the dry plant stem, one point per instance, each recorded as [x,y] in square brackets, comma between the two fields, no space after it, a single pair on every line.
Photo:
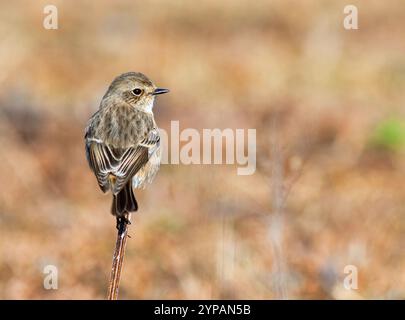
[277,221]
[118,259]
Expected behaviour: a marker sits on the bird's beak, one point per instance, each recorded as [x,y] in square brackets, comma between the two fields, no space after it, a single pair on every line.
[160,91]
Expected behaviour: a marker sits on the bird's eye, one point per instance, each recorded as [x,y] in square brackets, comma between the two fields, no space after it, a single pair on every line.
[137,91]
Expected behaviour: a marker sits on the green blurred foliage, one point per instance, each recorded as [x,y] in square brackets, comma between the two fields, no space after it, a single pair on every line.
[389,135]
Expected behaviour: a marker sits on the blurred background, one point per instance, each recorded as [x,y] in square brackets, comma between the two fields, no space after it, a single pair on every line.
[328,107]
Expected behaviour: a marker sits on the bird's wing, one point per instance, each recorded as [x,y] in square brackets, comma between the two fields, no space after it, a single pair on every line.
[134,158]
[123,163]
[102,161]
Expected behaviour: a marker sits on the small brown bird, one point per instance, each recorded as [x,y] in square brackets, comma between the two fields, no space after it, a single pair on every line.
[123,142]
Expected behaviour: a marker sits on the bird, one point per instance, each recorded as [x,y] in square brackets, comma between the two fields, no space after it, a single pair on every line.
[122,141]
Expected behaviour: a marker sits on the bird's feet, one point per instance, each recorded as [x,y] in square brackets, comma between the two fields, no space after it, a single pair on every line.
[122,222]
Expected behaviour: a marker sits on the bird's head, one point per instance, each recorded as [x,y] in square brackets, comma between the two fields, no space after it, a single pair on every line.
[135,89]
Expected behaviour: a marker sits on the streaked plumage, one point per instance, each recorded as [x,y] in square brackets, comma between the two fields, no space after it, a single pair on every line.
[122,140]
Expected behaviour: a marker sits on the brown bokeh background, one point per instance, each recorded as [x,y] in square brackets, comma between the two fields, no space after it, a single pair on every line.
[328,106]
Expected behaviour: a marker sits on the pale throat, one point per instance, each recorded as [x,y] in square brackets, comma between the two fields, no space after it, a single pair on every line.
[146,106]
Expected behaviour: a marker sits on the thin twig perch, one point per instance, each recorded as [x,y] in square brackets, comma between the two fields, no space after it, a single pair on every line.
[118,259]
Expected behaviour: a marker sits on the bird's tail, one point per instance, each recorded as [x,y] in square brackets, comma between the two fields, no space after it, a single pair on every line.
[124,202]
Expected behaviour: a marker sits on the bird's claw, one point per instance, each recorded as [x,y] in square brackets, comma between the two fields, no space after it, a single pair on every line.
[122,221]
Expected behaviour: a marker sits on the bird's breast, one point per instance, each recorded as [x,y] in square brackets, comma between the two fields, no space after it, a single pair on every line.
[124,127]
